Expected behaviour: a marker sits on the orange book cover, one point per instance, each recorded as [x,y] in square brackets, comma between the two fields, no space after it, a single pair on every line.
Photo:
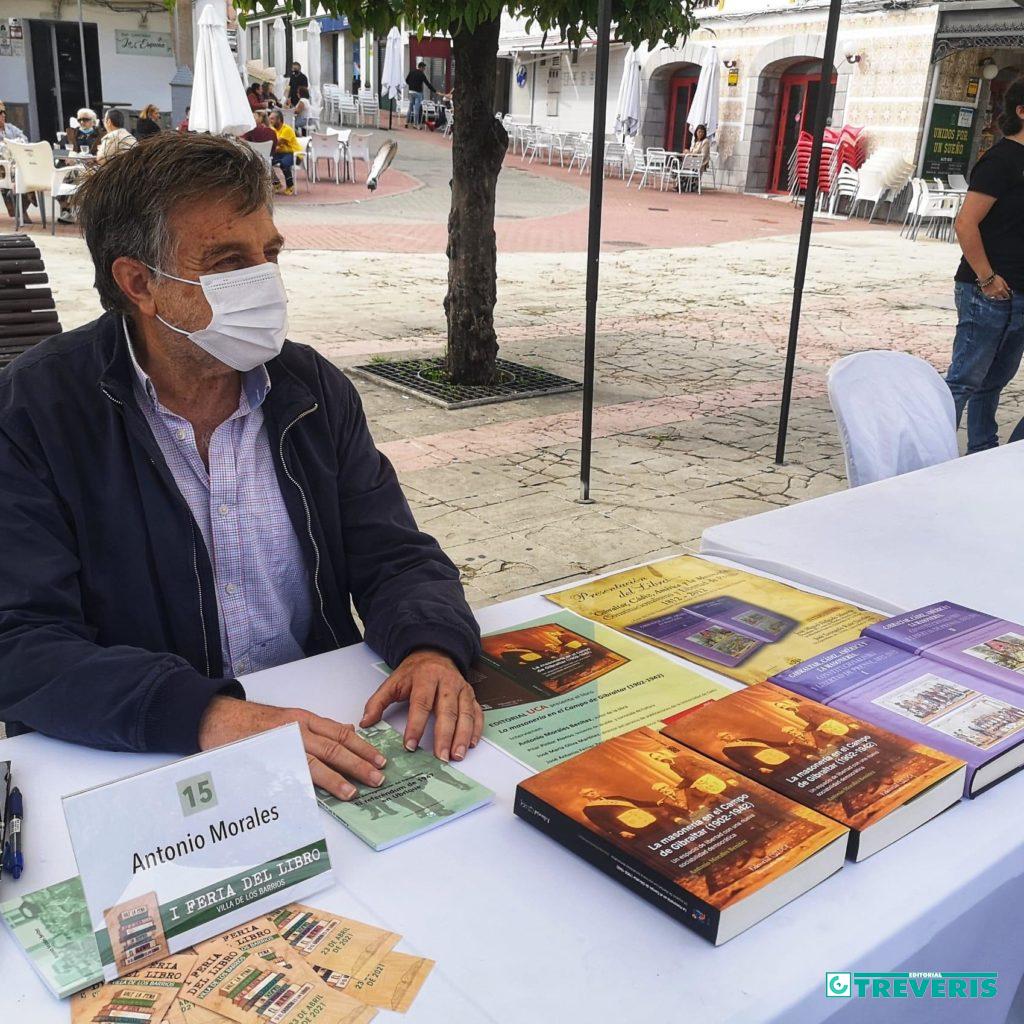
[845,768]
[700,827]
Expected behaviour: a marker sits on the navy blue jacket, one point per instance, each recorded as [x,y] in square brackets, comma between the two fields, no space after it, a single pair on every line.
[109,633]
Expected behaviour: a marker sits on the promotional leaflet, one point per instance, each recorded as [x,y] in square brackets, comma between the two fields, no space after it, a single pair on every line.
[742,625]
[183,852]
[553,687]
[144,998]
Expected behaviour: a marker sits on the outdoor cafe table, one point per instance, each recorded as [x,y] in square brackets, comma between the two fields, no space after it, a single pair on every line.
[524,932]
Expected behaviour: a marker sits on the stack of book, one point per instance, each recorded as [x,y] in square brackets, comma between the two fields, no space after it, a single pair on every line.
[136,931]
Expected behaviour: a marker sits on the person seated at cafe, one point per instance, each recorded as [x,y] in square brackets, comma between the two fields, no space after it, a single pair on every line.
[253,95]
[9,132]
[302,110]
[183,123]
[262,132]
[85,131]
[149,122]
[116,138]
[287,152]
[268,99]
[700,146]
[188,497]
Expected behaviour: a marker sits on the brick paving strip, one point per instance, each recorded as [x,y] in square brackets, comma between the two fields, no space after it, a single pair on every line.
[477,443]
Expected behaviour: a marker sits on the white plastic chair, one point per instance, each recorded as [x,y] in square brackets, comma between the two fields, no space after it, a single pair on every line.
[958,181]
[615,159]
[324,146]
[895,414]
[358,149]
[33,172]
[264,150]
[685,169]
[64,185]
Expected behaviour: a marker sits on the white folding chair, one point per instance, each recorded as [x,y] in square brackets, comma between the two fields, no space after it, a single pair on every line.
[895,414]
[33,172]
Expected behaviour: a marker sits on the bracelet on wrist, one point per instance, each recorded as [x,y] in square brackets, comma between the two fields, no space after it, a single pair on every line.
[988,280]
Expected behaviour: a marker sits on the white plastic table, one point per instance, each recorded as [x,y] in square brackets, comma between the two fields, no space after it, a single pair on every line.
[526,933]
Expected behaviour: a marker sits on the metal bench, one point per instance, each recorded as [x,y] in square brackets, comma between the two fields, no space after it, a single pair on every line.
[27,312]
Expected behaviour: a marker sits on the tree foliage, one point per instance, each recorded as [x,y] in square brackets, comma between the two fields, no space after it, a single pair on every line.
[636,21]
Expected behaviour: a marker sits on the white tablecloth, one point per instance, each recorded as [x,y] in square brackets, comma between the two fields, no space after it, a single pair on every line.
[526,933]
[950,532]
[944,533]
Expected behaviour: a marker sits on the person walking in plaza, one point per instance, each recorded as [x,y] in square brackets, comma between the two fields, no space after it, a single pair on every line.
[149,122]
[287,151]
[296,80]
[188,497]
[989,287]
[416,80]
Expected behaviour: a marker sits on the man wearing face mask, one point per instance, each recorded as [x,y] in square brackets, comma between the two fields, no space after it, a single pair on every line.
[186,497]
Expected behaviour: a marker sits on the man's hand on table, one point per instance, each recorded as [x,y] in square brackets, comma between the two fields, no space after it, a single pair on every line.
[432,684]
[336,754]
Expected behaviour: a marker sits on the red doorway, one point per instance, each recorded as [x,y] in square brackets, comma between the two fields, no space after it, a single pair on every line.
[798,97]
[680,95]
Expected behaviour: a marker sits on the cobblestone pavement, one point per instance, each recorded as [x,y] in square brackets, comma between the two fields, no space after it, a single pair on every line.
[690,357]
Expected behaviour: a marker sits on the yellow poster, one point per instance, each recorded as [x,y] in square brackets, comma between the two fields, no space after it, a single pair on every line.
[744,626]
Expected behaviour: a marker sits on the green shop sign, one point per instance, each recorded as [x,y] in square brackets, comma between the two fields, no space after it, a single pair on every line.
[948,145]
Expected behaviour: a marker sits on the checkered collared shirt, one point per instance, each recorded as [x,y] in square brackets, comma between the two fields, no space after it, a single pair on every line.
[263,589]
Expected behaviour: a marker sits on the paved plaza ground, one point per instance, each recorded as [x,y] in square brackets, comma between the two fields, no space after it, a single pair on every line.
[693,318]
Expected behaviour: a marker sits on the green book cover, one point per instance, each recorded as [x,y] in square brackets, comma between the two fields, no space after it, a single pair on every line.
[419,793]
[52,927]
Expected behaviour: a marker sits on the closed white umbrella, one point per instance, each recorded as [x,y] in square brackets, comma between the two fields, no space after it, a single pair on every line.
[704,108]
[313,60]
[242,52]
[627,115]
[393,74]
[279,55]
[219,105]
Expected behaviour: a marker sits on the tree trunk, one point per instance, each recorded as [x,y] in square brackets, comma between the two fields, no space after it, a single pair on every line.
[478,148]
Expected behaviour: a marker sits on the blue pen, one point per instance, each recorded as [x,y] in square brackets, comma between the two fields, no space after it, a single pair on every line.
[13,859]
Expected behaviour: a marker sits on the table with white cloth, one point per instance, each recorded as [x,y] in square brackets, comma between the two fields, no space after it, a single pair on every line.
[524,932]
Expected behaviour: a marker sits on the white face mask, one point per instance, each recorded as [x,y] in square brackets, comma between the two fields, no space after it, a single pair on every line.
[250,315]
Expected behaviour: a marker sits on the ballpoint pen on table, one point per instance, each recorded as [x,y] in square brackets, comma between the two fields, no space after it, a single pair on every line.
[13,858]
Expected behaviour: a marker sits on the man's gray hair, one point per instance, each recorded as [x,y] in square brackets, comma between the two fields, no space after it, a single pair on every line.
[124,207]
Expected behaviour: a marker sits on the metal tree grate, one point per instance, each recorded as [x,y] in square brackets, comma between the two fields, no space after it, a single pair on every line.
[426,378]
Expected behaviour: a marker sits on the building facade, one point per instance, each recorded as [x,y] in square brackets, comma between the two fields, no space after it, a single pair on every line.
[922,77]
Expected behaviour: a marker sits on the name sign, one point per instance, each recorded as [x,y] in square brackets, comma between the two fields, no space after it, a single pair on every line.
[181,853]
[143,43]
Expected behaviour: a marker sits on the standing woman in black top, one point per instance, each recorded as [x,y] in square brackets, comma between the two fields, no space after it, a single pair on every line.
[990,282]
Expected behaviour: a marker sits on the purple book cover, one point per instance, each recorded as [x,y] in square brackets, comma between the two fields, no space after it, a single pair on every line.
[732,613]
[961,638]
[959,713]
[697,635]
